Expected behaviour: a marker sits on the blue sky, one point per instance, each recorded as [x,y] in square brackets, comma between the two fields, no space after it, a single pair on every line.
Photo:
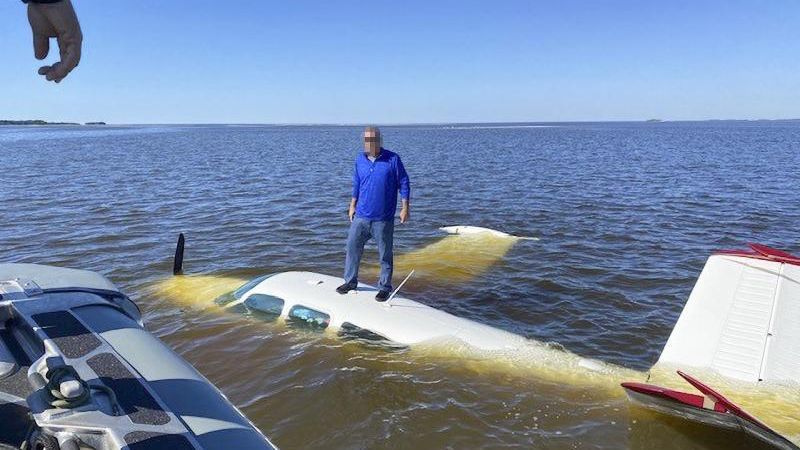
[412,61]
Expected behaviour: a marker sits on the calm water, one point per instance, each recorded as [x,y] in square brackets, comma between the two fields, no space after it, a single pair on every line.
[626,213]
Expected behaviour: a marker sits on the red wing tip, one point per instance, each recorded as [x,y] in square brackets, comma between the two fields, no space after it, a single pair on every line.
[760,251]
[770,251]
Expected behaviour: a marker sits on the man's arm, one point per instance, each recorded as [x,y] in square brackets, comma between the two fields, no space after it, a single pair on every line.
[55,19]
[354,196]
[405,191]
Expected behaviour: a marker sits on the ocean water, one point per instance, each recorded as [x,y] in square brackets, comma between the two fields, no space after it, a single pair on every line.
[625,213]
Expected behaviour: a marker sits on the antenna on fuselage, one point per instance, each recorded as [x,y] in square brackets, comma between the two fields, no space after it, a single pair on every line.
[177,263]
[399,286]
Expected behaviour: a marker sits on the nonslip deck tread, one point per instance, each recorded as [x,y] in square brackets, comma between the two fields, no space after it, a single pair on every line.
[136,401]
[146,440]
[70,336]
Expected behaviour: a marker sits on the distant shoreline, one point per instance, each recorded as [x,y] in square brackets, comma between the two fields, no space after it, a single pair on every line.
[533,124]
[43,122]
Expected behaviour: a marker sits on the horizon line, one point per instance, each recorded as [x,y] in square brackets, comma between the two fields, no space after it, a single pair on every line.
[350,124]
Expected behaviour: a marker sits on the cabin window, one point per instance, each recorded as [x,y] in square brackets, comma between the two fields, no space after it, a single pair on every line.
[306,317]
[348,332]
[353,333]
[263,304]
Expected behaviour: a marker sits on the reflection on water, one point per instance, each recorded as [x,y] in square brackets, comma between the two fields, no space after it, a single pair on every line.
[626,213]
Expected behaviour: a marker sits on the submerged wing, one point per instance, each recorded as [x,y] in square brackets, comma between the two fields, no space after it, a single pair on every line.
[466,253]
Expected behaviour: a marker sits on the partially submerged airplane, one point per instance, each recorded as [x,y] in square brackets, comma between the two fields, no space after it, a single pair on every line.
[310,299]
[742,321]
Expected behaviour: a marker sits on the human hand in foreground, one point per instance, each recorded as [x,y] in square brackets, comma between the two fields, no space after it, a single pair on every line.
[56,20]
[352,212]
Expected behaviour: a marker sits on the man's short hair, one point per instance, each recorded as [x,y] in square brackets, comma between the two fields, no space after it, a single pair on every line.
[374,130]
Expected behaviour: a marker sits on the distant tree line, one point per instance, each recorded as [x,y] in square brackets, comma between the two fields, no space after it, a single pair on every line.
[43,122]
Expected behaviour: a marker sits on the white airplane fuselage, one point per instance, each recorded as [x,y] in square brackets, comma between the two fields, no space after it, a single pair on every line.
[290,295]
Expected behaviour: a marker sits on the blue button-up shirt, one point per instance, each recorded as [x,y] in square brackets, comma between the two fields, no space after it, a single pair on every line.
[375,185]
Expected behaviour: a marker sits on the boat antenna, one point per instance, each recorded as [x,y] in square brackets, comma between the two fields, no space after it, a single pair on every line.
[399,286]
[177,263]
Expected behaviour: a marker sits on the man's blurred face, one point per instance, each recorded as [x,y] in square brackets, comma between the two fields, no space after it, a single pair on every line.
[372,141]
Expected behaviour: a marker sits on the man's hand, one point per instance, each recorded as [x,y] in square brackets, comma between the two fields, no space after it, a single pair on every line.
[352,212]
[56,20]
[404,214]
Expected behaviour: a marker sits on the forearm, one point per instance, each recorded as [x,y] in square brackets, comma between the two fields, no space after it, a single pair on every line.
[353,202]
[405,203]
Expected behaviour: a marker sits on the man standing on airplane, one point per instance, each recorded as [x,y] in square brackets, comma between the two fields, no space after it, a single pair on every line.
[378,176]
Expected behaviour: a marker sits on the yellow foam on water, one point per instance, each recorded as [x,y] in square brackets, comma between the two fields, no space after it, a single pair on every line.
[539,360]
[197,291]
[454,258]
[773,404]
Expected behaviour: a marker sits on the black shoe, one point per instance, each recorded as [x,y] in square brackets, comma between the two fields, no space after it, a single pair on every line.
[382,296]
[345,288]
